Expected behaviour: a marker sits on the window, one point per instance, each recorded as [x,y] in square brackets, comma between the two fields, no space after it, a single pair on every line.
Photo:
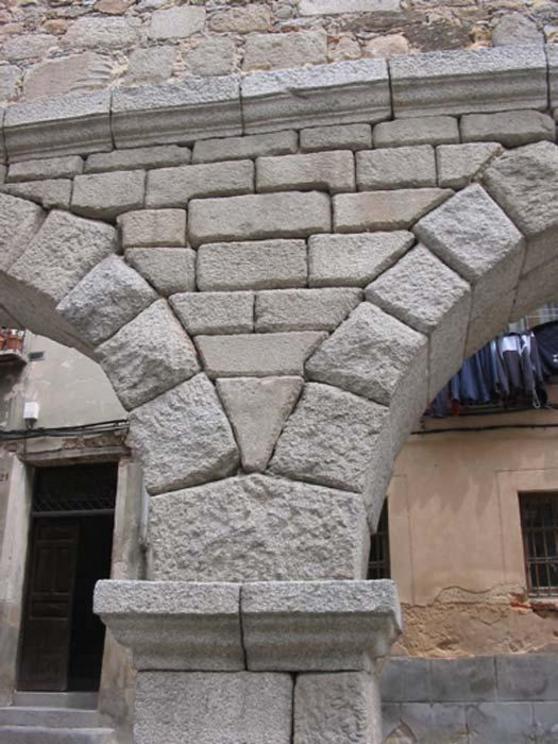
[539,524]
[378,564]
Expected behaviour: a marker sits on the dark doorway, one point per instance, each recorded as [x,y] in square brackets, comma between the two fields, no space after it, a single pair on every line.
[70,550]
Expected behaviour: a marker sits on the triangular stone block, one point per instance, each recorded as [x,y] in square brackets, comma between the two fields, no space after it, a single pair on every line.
[257,408]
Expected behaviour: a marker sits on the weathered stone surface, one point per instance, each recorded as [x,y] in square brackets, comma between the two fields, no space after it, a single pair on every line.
[353,260]
[174,624]
[150,65]
[536,288]
[459,164]
[173,187]
[304,309]
[176,23]
[552,56]
[9,77]
[252,146]
[183,438]
[475,238]
[332,171]
[34,170]
[108,297]
[58,126]
[169,270]
[102,33]
[500,721]
[396,168]
[277,51]
[214,56]
[514,29]
[290,214]
[427,130]
[257,528]
[50,193]
[138,157]
[27,46]
[471,81]
[258,264]
[19,221]
[245,707]
[148,356]
[511,129]
[424,293]
[345,93]
[333,707]
[332,7]
[495,319]
[77,73]
[257,354]
[215,312]
[385,210]
[332,439]
[106,195]
[241,20]
[347,137]
[64,250]
[153,227]
[195,108]
[525,184]
[257,409]
[318,626]
[386,47]
[375,355]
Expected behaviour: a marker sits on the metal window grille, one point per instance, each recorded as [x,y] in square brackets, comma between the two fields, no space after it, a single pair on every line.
[76,488]
[379,563]
[539,524]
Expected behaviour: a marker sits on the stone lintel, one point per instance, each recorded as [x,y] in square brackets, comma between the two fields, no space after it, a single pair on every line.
[469,81]
[63,125]
[318,625]
[195,109]
[174,625]
[341,93]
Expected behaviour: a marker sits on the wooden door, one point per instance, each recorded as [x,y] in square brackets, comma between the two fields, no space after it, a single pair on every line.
[48,610]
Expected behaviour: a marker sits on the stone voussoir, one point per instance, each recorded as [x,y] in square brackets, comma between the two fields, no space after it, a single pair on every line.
[153,227]
[290,214]
[257,264]
[19,221]
[257,354]
[304,309]
[174,187]
[183,438]
[332,171]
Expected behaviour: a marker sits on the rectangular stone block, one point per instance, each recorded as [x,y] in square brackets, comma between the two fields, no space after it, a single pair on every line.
[51,193]
[65,125]
[437,722]
[327,171]
[288,49]
[345,93]
[459,164]
[195,108]
[353,260]
[385,210]
[347,137]
[396,168]
[35,170]
[427,130]
[505,78]
[527,677]
[405,680]
[463,680]
[337,707]
[153,227]
[252,146]
[104,196]
[552,56]
[265,264]
[511,129]
[174,187]
[304,309]
[258,354]
[215,312]
[332,7]
[500,722]
[169,270]
[138,157]
[282,215]
[245,707]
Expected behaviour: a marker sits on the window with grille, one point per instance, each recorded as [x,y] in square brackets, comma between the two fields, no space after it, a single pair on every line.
[379,565]
[539,525]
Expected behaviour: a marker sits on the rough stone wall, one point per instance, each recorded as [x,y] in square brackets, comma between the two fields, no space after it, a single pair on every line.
[53,47]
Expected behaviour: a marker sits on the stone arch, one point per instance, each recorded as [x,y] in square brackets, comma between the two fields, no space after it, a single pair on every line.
[474,260]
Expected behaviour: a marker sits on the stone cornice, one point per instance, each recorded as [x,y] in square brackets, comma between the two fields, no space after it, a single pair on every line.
[455,82]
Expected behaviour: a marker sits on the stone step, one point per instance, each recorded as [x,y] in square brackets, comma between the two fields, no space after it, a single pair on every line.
[43,735]
[48,717]
[82,700]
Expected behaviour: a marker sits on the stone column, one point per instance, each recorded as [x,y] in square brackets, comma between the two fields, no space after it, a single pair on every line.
[257,663]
